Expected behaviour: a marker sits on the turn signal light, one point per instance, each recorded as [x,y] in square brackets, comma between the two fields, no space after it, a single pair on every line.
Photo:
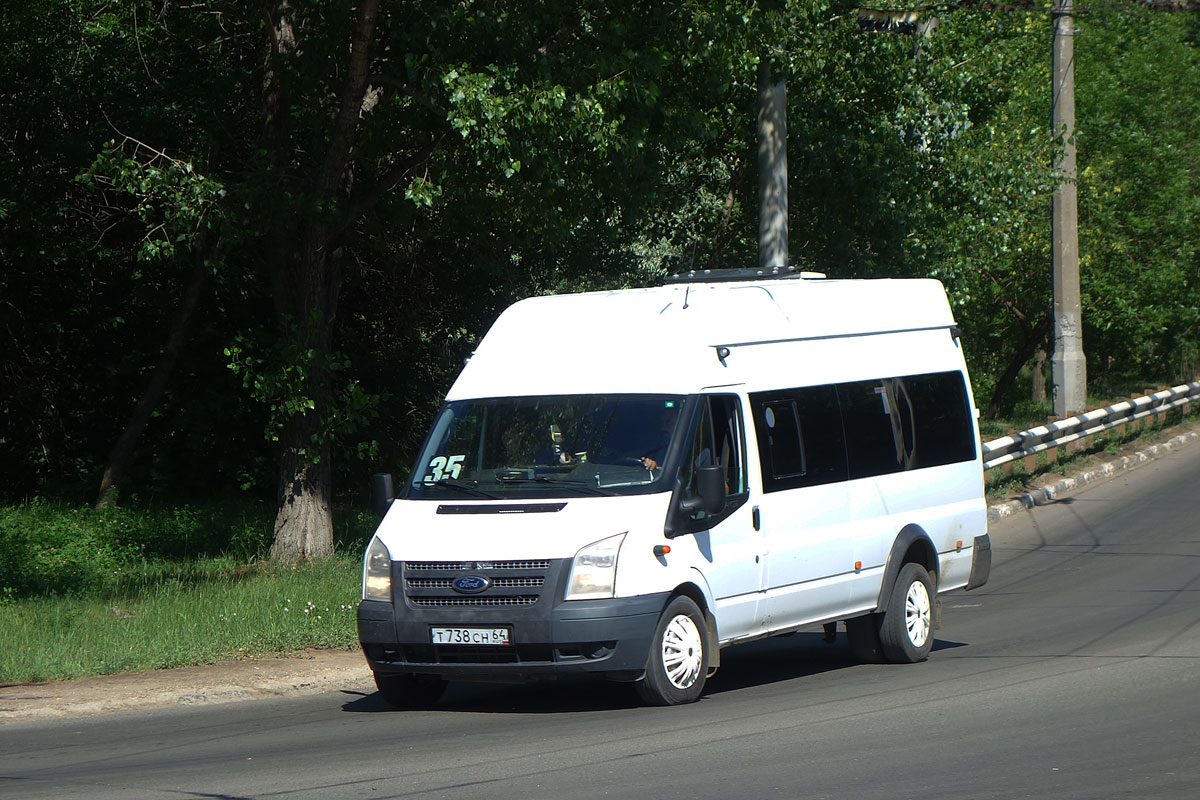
[661,550]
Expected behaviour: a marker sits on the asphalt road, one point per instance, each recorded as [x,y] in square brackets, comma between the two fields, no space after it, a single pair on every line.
[1075,673]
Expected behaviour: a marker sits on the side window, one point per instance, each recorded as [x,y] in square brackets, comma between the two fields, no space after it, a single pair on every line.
[913,422]
[942,430]
[729,441]
[700,453]
[800,440]
[785,448]
[874,438]
[718,439]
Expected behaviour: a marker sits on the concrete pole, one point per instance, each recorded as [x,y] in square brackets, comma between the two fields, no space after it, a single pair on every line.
[772,171]
[1067,365]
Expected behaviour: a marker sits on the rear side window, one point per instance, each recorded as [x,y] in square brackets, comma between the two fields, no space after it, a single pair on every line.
[911,422]
[942,429]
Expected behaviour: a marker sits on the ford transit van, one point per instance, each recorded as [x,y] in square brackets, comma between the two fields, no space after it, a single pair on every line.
[622,484]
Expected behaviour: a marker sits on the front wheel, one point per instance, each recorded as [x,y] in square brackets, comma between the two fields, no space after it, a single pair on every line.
[678,663]
[907,630]
[410,691]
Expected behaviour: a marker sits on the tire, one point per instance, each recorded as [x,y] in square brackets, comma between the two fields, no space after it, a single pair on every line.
[907,630]
[863,635]
[677,666]
[410,691]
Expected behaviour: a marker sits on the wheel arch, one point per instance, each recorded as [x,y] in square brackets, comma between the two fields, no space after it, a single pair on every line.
[912,544]
[697,595]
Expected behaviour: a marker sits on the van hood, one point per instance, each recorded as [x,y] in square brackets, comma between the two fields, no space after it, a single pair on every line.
[427,530]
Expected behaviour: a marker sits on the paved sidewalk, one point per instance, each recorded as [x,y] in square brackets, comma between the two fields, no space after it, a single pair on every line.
[330,670]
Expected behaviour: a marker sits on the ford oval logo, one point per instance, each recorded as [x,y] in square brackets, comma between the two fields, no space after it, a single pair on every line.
[470,584]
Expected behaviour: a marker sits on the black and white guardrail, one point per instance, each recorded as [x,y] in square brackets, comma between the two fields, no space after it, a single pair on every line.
[1008,448]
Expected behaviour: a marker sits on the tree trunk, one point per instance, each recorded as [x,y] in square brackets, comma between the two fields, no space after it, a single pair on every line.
[307,310]
[1035,339]
[304,521]
[122,452]
[305,275]
[1038,390]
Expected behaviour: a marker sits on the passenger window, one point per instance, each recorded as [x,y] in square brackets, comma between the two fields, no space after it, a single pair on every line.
[942,430]
[800,439]
[821,434]
[873,446]
[913,422]
[785,449]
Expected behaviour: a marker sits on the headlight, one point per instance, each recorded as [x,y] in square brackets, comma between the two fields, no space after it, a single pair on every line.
[594,571]
[377,572]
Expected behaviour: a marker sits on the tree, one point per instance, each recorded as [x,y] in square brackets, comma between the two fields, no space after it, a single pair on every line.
[370,184]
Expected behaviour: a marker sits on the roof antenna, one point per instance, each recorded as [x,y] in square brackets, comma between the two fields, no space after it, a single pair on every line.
[686,291]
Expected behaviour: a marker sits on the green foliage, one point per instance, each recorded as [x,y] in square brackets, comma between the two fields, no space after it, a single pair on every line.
[177,205]
[281,380]
[1139,196]
[50,549]
[528,147]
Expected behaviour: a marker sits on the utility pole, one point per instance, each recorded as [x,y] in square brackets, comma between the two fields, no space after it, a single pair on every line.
[1068,367]
[772,171]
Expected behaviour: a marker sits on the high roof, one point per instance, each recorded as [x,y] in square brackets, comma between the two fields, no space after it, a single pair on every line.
[664,339]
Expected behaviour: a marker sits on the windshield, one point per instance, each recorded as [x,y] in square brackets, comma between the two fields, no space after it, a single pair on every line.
[524,447]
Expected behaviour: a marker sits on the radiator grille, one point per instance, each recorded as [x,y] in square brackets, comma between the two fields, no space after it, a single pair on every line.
[477,601]
[500,583]
[482,566]
[430,584]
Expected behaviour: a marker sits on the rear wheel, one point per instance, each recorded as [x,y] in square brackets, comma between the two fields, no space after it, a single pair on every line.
[410,691]
[678,663]
[907,630]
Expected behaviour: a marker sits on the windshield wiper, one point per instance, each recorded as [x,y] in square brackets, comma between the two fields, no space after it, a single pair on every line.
[462,486]
[570,483]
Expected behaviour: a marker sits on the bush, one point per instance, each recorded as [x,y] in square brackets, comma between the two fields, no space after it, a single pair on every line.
[49,549]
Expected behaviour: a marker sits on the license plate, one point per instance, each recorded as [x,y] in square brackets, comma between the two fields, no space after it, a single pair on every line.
[469,635]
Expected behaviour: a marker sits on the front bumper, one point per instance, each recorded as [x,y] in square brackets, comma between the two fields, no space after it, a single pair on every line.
[550,638]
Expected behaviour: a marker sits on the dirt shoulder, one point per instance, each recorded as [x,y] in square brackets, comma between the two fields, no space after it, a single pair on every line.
[316,671]
[309,672]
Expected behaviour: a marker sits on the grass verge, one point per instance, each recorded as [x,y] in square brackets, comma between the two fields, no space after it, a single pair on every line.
[210,610]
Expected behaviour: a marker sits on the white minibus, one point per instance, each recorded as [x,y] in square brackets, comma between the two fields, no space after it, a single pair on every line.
[621,484]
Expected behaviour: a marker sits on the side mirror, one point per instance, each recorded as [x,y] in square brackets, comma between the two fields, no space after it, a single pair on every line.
[710,491]
[383,491]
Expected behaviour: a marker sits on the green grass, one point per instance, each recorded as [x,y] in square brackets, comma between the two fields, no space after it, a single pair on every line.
[207,611]
[85,592]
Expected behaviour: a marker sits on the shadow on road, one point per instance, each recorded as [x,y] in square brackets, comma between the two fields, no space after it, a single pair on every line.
[773,660]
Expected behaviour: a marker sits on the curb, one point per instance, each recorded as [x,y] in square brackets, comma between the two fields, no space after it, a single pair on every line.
[1048,494]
